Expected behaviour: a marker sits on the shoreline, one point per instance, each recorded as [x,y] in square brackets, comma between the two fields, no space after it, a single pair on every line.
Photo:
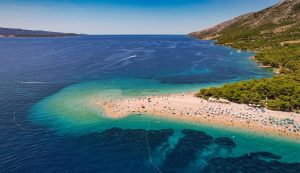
[275,70]
[247,118]
[186,107]
[253,58]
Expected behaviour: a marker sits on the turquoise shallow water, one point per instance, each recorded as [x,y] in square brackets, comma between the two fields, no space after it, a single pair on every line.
[49,121]
[74,106]
[71,112]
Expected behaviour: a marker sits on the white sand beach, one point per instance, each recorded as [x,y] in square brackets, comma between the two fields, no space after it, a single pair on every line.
[187,107]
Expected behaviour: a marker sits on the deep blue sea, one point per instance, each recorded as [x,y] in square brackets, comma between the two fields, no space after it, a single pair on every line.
[49,124]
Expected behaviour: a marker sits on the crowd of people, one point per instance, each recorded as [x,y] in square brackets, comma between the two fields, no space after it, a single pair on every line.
[186,105]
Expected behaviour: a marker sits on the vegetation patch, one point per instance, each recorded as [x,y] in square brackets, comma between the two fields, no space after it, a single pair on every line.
[275,49]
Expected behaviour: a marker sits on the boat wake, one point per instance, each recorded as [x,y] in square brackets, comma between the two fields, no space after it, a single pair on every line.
[31,82]
[129,57]
[119,61]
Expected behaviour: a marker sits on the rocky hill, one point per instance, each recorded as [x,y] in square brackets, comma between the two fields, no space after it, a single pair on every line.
[11,32]
[274,33]
[279,19]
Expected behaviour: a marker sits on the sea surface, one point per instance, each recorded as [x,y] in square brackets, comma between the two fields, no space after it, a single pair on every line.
[49,122]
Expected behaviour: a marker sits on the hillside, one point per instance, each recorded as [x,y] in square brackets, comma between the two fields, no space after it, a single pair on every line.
[274,33]
[5,32]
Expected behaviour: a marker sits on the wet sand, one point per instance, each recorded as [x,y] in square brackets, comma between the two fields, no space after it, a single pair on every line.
[187,107]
